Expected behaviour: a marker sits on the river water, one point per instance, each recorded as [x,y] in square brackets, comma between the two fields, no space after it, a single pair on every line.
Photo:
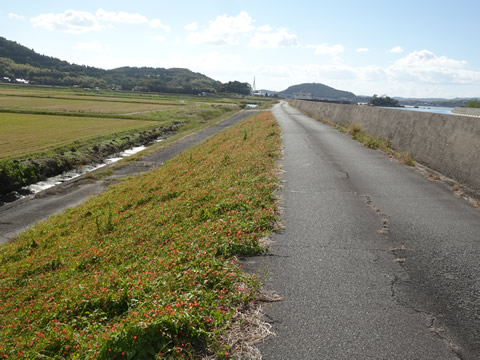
[428,109]
[72,174]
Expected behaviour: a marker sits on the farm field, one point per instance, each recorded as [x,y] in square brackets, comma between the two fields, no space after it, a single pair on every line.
[151,98]
[38,119]
[22,134]
[77,105]
[45,131]
[147,269]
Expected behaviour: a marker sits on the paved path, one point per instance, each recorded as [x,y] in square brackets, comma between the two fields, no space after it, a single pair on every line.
[22,214]
[375,261]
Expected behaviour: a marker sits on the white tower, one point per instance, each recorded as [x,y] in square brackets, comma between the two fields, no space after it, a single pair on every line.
[254,87]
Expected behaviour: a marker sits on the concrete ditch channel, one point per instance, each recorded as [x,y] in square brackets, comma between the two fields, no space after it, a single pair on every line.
[22,214]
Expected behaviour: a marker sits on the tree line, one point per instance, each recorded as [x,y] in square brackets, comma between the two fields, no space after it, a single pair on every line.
[473,104]
[386,101]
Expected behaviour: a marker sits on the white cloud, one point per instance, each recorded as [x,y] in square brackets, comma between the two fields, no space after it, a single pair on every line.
[361,50]
[264,28]
[325,49]
[94,46]
[426,67]
[73,21]
[396,50]
[265,38]
[224,30]
[70,21]
[157,24]
[121,17]
[16,16]
[428,60]
[157,38]
[192,27]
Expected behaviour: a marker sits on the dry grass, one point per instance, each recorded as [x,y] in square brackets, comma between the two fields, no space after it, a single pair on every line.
[354,129]
[404,158]
[248,329]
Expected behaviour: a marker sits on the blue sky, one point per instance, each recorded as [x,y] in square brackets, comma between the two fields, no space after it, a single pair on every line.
[405,48]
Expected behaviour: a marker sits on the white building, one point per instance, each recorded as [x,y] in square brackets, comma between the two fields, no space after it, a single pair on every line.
[303,96]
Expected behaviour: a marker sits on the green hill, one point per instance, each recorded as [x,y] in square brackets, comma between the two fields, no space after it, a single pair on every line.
[18,61]
[318,91]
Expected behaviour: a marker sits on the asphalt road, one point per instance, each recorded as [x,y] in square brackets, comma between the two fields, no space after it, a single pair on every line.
[22,214]
[375,261]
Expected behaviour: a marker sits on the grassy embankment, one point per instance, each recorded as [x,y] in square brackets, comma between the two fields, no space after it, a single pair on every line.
[46,132]
[148,268]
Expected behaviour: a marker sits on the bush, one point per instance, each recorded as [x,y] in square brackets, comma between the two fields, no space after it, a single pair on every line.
[14,175]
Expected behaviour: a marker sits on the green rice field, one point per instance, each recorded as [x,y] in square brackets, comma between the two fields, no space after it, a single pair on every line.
[26,133]
[39,119]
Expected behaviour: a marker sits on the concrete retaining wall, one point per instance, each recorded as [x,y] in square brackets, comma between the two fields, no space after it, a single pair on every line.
[467,111]
[449,144]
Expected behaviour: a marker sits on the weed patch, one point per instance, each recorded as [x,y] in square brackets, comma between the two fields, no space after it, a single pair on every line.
[375,142]
[372,142]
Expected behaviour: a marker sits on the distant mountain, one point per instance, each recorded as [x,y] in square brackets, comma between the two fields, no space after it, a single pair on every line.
[318,91]
[456,102]
[20,62]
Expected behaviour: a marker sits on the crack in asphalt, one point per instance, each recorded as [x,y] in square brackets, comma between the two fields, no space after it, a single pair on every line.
[432,318]
[276,255]
[400,257]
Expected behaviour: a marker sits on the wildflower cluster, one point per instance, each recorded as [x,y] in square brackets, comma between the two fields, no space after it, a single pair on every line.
[148,268]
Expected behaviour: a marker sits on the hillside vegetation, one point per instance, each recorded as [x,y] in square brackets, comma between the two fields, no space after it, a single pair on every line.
[473,104]
[148,268]
[318,91]
[385,101]
[17,61]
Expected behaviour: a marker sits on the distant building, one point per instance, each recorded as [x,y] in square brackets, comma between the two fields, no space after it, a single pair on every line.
[303,96]
[140,88]
[6,79]
[260,93]
[22,81]
[205,93]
